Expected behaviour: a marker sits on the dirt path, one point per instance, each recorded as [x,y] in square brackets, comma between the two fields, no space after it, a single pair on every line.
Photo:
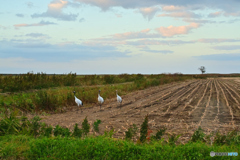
[213,104]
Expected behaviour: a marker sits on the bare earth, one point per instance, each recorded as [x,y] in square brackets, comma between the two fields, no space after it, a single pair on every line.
[213,104]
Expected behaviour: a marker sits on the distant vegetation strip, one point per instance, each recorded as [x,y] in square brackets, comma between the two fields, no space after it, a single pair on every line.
[24,82]
[54,99]
[24,139]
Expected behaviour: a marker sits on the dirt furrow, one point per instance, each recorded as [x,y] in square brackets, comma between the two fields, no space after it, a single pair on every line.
[230,88]
[181,107]
[225,115]
[207,119]
[233,102]
[216,119]
[200,100]
[141,108]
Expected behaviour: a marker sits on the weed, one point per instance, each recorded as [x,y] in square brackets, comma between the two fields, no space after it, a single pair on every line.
[57,131]
[172,139]
[131,132]
[109,133]
[219,138]
[35,126]
[77,132]
[10,125]
[96,124]
[159,134]
[144,130]
[85,126]
[198,135]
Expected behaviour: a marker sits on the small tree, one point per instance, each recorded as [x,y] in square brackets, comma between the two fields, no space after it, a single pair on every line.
[202,69]
[85,126]
[144,130]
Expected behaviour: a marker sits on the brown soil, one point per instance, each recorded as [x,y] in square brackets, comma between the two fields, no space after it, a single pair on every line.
[213,104]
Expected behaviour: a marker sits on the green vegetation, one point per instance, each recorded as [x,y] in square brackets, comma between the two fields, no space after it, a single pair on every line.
[96,124]
[131,132]
[41,143]
[21,138]
[55,99]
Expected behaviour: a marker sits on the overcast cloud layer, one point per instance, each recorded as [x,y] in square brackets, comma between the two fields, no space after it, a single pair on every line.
[113,37]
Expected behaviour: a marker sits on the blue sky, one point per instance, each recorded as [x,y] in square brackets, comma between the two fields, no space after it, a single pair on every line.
[114,37]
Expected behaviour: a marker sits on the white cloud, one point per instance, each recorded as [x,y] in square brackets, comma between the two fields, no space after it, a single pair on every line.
[168,5]
[62,52]
[216,40]
[149,12]
[20,15]
[227,47]
[185,14]
[146,49]
[55,11]
[172,8]
[41,23]
[172,30]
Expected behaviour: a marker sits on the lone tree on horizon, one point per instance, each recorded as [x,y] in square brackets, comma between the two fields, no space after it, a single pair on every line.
[202,69]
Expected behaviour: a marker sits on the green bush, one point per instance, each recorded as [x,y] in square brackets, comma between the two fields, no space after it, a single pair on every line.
[96,124]
[77,132]
[131,132]
[144,130]
[85,126]
[198,135]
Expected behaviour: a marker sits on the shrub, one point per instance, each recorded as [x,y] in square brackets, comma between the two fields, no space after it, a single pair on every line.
[198,135]
[96,124]
[144,130]
[77,132]
[159,134]
[35,126]
[132,131]
[219,138]
[85,126]
[172,139]
[57,131]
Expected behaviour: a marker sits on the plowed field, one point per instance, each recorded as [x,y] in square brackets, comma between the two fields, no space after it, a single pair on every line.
[213,104]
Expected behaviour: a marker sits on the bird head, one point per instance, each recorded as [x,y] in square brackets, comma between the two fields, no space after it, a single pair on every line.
[74,92]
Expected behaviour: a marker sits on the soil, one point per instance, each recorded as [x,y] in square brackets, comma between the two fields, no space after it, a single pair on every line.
[181,107]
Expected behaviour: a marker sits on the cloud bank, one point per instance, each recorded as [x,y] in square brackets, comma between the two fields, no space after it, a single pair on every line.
[55,11]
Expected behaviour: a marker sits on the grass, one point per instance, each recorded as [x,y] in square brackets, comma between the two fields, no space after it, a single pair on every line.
[24,139]
[55,99]
[101,147]
[35,140]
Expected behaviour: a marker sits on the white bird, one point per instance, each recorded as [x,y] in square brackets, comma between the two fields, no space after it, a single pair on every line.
[78,101]
[119,99]
[100,99]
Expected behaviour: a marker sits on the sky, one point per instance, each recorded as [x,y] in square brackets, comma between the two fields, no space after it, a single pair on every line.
[115,37]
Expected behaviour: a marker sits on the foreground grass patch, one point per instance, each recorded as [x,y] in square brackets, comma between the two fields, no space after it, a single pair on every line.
[27,147]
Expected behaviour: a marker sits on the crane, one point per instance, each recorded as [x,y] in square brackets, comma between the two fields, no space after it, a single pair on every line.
[119,99]
[78,101]
[100,99]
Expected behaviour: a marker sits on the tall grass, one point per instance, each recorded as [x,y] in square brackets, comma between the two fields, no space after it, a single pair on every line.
[44,142]
[54,99]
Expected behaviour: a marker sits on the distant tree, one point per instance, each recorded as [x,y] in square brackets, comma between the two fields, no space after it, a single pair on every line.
[202,69]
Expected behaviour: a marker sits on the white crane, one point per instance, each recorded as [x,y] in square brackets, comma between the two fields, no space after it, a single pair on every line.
[100,99]
[119,99]
[78,101]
